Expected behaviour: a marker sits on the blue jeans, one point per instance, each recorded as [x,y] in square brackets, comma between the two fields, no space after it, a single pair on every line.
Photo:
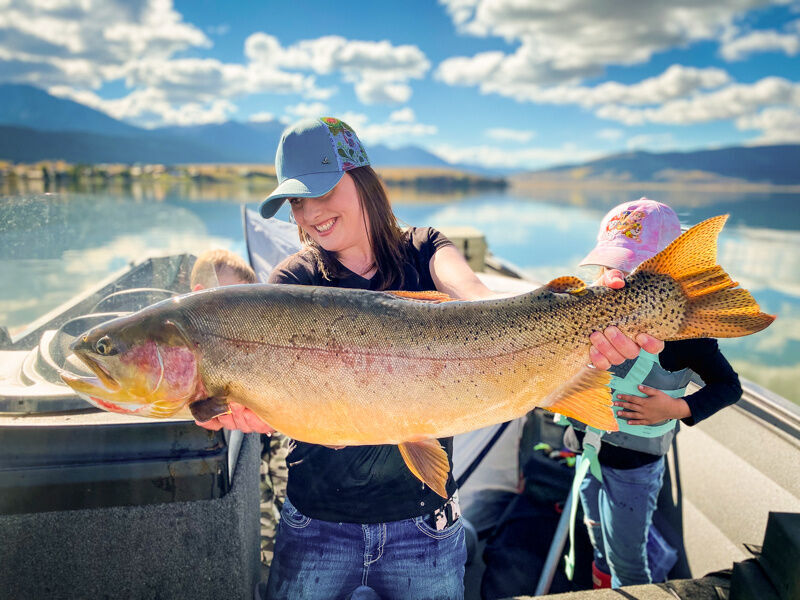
[619,514]
[405,559]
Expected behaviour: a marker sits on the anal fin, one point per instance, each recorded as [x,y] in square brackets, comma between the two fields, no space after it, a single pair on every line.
[207,409]
[587,398]
[427,460]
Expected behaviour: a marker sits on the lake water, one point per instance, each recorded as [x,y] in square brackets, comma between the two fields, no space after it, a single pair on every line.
[53,246]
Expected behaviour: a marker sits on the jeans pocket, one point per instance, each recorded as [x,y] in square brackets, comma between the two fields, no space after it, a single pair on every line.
[437,534]
[293,517]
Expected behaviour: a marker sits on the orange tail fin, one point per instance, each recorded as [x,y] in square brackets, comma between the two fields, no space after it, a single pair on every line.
[715,309]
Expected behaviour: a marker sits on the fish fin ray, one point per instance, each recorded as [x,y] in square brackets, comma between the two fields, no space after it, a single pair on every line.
[427,460]
[587,398]
[714,307]
[207,409]
[567,285]
[431,297]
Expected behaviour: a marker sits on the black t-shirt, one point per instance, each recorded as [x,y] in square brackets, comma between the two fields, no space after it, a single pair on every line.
[721,389]
[362,484]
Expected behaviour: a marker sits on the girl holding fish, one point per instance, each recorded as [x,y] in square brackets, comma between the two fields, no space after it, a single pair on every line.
[356,521]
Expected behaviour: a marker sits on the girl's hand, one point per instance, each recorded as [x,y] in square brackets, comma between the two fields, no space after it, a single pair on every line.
[653,408]
[612,347]
[240,418]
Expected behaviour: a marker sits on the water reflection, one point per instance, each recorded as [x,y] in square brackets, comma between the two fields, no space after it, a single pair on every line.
[54,246]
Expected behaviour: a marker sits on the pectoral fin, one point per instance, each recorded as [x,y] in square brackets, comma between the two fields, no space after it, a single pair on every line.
[587,398]
[205,410]
[427,460]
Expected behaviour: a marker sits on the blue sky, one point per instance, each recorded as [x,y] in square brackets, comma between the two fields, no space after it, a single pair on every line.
[505,83]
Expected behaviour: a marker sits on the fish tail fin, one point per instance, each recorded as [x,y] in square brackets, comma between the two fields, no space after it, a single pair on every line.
[587,398]
[714,308]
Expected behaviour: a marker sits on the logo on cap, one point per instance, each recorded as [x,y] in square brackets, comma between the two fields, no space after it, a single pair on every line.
[325,160]
[627,223]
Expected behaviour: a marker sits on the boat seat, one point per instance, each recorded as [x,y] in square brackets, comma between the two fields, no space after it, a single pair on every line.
[132,300]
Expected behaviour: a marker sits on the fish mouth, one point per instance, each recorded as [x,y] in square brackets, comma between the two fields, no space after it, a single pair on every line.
[105,378]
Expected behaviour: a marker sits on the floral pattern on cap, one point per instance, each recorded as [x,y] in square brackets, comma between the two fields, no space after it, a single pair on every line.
[349,151]
[628,223]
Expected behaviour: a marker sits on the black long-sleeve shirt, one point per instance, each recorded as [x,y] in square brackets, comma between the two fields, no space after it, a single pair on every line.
[722,388]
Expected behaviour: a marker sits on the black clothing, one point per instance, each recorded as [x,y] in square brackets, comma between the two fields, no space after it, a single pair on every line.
[721,389]
[362,484]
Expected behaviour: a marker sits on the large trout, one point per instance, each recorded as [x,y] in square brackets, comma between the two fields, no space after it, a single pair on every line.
[349,367]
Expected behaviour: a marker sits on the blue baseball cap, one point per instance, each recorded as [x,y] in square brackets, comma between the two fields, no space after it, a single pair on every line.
[312,157]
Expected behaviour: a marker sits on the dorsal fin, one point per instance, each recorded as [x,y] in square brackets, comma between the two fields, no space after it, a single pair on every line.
[567,285]
[430,297]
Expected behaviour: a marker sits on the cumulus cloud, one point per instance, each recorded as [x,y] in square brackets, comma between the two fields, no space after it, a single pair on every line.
[83,44]
[521,158]
[778,126]
[151,107]
[574,39]
[510,135]
[306,109]
[732,101]
[741,47]
[403,115]
[261,117]
[401,127]
[610,135]
[88,42]
[379,71]
[559,45]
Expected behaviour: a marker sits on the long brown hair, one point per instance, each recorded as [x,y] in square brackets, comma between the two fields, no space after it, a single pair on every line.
[385,235]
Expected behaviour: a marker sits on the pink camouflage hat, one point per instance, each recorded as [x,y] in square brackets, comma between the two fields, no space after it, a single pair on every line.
[631,233]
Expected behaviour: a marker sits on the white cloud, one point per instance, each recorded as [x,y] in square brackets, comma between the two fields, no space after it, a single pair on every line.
[611,135]
[82,44]
[732,101]
[151,107]
[373,91]
[379,71]
[675,82]
[516,158]
[778,126]
[261,117]
[510,135]
[760,41]
[93,39]
[394,132]
[305,109]
[659,142]
[401,127]
[570,40]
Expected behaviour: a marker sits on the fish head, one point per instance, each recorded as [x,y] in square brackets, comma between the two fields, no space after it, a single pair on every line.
[146,366]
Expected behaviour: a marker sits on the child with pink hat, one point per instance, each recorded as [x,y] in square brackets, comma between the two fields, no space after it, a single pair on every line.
[649,395]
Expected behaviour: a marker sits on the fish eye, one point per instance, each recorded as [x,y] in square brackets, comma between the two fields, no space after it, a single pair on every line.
[103,346]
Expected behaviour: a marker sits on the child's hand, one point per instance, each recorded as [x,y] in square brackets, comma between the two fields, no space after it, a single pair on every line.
[654,408]
[240,418]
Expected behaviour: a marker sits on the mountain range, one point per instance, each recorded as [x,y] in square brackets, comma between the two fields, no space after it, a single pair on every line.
[35,125]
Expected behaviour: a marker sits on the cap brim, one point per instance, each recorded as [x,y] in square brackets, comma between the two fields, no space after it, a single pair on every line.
[611,257]
[305,186]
